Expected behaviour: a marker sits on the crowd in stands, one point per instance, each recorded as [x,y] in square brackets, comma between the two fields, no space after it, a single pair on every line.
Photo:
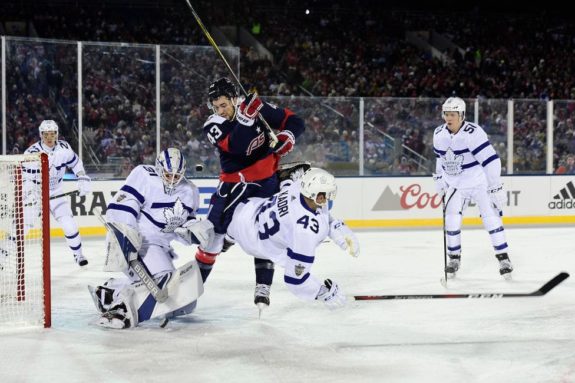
[334,51]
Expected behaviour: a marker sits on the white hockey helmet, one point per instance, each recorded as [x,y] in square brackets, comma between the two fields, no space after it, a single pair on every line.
[316,181]
[171,167]
[454,104]
[48,126]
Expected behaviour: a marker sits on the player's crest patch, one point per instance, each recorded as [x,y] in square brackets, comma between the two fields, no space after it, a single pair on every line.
[299,269]
[452,163]
[175,216]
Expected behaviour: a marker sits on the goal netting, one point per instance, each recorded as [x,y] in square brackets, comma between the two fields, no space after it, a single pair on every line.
[24,241]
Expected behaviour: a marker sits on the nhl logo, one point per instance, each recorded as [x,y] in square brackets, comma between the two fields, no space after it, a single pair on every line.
[299,270]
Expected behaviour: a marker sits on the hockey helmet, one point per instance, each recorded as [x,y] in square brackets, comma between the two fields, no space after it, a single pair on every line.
[316,181]
[222,87]
[454,104]
[48,126]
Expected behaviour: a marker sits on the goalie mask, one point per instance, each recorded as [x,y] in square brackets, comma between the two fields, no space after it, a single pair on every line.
[454,104]
[317,181]
[49,126]
[171,167]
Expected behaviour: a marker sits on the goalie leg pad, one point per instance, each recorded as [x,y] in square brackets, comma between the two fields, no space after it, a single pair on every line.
[123,244]
[184,287]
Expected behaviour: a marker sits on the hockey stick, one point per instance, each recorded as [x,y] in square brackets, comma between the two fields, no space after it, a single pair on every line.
[273,137]
[444,209]
[64,194]
[444,240]
[537,293]
[28,204]
[160,295]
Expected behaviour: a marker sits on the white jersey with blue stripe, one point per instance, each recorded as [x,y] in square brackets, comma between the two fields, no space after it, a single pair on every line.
[60,157]
[143,204]
[286,231]
[466,159]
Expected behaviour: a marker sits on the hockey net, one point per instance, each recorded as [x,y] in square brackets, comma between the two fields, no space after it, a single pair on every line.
[24,241]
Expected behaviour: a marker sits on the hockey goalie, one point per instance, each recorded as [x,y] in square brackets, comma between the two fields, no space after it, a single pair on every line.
[155,206]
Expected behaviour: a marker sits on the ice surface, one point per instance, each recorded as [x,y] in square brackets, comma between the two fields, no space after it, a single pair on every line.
[446,340]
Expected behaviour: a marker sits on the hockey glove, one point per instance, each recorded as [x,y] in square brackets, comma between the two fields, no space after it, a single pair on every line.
[330,294]
[84,184]
[498,196]
[344,237]
[251,106]
[440,185]
[197,231]
[286,141]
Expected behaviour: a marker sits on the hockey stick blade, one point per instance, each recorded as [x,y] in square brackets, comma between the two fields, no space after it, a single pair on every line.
[537,293]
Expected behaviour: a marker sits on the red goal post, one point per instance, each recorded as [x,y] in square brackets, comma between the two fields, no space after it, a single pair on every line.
[25,297]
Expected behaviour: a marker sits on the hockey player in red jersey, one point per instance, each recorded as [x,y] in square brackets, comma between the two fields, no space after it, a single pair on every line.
[248,165]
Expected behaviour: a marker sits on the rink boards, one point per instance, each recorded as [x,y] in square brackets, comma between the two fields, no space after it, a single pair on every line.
[383,202]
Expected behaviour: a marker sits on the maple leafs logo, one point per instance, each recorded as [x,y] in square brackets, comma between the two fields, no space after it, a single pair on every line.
[452,163]
[175,216]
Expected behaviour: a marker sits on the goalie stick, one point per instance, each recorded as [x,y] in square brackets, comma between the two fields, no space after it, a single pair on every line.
[537,293]
[160,295]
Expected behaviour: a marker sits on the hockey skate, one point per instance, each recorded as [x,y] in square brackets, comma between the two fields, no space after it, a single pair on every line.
[505,267]
[452,265]
[80,260]
[262,296]
[116,318]
[102,297]
[121,314]
[292,170]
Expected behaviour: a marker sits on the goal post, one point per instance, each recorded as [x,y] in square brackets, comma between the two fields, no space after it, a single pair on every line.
[25,296]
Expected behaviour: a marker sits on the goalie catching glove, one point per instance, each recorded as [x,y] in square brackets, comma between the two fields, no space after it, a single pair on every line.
[344,237]
[197,231]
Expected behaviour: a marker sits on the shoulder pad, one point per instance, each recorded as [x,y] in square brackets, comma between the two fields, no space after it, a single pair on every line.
[214,119]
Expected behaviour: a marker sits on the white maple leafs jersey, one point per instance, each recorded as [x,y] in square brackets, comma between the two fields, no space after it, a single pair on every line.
[143,204]
[466,159]
[60,157]
[286,231]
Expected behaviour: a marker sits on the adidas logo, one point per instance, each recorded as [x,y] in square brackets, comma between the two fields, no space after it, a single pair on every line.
[565,198]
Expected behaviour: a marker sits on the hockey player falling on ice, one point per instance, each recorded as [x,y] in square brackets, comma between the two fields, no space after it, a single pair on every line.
[288,227]
[468,168]
[155,206]
[248,165]
[61,157]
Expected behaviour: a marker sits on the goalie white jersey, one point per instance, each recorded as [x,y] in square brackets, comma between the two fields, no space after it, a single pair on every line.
[143,203]
[60,157]
[286,231]
[466,159]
